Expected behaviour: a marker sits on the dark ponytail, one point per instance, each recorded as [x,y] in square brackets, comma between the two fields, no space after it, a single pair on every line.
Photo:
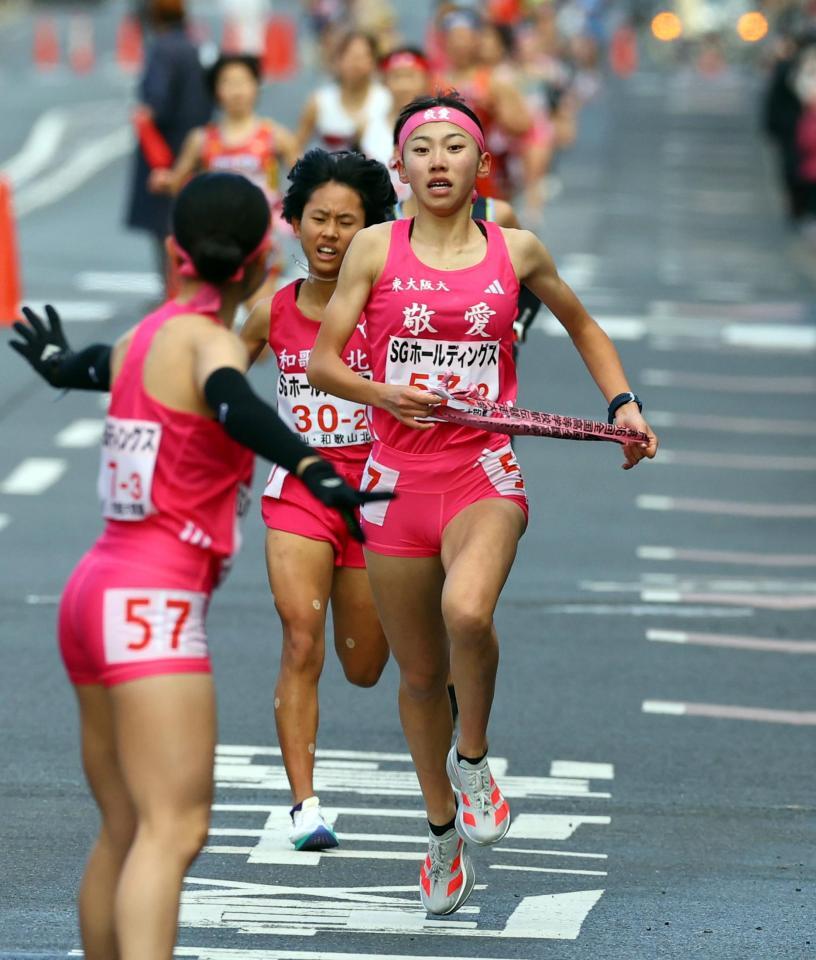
[219,219]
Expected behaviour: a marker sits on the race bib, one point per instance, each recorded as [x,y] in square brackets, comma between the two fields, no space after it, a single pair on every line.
[129,452]
[420,363]
[502,470]
[318,418]
[149,624]
[377,478]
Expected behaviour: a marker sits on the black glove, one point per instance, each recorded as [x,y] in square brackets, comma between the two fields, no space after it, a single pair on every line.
[45,348]
[323,482]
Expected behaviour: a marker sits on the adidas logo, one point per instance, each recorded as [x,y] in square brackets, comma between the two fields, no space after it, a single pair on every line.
[494,287]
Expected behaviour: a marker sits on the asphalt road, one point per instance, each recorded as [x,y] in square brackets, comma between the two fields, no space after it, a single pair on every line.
[654,718]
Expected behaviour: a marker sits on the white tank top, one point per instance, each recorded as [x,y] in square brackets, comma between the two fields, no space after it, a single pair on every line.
[335,127]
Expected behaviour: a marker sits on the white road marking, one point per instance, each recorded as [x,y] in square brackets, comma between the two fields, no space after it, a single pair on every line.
[644,610]
[583,873]
[305,911]
[76,311]
[42,599]
[734,461]
[731,508]
[779,336]
[99,281]
[34,475]
[768,602]
[722,383]
[717,424]
[724,712]
[233,953]
[39,148]
[705,585]
[618,328]
[74,171]
[5,520]
[588,771]
[730,641]
[81,433]
[728,556]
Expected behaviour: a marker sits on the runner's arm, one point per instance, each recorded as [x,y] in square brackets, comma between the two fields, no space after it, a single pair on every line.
[510,109]
[327,370]
[306,126]
[220,365]
[538,273]
[189,158]
[255,330]
[44,346]
[505,215]
[287,145]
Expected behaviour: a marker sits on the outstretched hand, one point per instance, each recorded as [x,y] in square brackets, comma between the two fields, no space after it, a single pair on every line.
[633,453]
[43,346]
[324,483]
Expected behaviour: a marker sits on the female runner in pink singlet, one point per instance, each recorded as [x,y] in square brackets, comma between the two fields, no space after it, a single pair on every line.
[439,295]
[173,481]
[311,558]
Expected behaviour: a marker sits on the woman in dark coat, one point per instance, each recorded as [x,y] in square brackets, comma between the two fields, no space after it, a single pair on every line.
[174,90]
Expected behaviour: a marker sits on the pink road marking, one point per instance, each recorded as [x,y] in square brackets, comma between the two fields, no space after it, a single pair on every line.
[736,461]
[754,425]
[757,601]
[735,642]
[732,508]
[729,556]
[729,384]
[720,711]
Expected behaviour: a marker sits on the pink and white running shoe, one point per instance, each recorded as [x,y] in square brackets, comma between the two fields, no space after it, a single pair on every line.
[483,815]
[446,877]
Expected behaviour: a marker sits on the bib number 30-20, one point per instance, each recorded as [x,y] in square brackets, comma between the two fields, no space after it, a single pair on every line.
[130,449]
[154,624]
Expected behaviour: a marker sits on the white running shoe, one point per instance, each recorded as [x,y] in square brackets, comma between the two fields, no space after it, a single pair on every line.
[483,815]
[446,877]
[309,828]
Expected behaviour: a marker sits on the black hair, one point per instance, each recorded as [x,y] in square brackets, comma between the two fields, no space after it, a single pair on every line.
[507,38]
[348,38]
[369,178]
[219,219]
[452,99]
[253,64]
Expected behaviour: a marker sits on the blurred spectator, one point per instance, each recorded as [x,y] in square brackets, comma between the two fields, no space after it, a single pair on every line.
[407,75]
[790,87]
[173,89]
[337,114]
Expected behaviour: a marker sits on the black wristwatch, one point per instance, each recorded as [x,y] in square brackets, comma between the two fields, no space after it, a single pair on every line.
[619,401]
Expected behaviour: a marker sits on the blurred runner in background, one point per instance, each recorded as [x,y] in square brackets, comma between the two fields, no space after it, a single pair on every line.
[337,114]
[174,91]
[240,142]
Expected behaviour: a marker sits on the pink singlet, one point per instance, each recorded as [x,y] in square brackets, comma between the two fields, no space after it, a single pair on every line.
[173,487]
[338,428]
[423,325]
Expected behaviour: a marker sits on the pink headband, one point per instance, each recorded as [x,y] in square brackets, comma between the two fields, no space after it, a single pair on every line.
[208,298]
[437,115]
[188,269]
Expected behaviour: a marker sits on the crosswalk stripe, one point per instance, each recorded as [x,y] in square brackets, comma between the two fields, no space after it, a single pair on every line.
[76,311]
[34,475]
[102,281]
[5,520]
[80,433]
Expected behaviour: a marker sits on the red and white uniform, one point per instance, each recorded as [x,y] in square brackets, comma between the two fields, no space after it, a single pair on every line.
[424,325]
[173,487]
[338,428]
[256,158]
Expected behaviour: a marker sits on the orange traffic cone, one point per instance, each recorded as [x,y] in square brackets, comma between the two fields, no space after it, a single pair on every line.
[129,48]
[46,44]
[81,53]
[9,265]
[280,48]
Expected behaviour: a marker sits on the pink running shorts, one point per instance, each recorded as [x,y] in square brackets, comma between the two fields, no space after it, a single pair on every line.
[431,490]
[288,506]
[135,607]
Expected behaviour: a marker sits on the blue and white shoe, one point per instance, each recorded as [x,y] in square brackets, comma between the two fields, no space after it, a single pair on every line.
[310,831]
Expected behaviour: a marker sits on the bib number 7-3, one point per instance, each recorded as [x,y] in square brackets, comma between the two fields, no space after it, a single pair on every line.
[130,449]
